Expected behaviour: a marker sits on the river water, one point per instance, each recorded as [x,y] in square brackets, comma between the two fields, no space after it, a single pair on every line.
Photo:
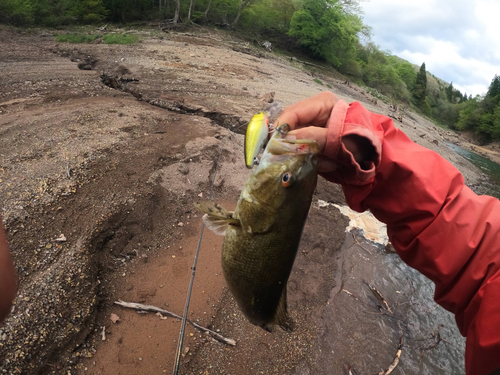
[488,167]
[368,336]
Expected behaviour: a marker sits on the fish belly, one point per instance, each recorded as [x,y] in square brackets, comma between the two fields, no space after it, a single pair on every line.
[256,268]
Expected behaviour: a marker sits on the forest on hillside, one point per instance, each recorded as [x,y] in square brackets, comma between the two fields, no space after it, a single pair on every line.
[328,30]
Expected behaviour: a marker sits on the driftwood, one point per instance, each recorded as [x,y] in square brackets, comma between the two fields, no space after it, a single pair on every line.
[379,297]
[150,308]
[396,359]
[349,370]
[437,339]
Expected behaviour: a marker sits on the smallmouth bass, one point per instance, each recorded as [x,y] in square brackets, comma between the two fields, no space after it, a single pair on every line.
[262,235]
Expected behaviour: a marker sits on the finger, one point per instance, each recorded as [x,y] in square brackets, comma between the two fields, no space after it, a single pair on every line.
[311,132]
[313,111]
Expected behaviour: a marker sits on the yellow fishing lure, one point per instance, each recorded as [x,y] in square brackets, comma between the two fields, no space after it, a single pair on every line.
[257,133]
[255,138]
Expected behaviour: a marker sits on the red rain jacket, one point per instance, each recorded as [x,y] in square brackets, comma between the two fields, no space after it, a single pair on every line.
[436,223]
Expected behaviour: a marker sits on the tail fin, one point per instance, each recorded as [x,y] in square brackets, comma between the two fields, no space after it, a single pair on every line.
[281,317]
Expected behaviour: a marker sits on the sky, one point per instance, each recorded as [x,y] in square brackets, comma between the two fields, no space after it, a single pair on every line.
[458,40]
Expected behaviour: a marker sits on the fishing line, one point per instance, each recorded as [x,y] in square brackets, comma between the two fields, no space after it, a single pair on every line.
[184,318]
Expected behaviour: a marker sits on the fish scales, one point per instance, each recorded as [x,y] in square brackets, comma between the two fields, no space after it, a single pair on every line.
[262,235]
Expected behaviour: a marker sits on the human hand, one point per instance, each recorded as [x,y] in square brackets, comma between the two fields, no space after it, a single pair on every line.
[309,119]
[8,278]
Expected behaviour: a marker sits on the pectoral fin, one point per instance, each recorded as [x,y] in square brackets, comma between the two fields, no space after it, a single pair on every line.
[216,217]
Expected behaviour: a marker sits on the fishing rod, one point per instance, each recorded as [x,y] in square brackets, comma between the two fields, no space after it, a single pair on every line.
[184,318]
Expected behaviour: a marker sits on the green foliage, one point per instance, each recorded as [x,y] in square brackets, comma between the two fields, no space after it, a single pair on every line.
[494,89]
[325,30]
[445,112]
[198,16]
[129,10]
[449,92]
[76,38]
[407,74]
[54,13]
[420,88]
[266,15]
[120,39]
[90,11]
[318,81]
[380,70]
[482,115]
[453,95]
[352,68]
[469,115]
[223,11]
[495,121]
[16,12]
[426,106]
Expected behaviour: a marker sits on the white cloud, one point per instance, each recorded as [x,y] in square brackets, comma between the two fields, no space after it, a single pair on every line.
[458,40]
[443,59]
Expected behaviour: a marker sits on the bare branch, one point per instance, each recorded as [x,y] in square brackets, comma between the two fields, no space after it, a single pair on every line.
[150,308]
[396,359]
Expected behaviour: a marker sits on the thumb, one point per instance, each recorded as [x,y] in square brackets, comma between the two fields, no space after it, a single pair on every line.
[312,132]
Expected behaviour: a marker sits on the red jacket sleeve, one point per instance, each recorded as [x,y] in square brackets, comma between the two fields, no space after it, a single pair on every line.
[436,224]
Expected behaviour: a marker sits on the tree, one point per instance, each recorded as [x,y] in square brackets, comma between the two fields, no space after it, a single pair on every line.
[496,123]
[350,6]
[326,30]
[449,92]
[494,89]
[90,11]
[243,5]
[407,74]
[482,114]
[126,10]
[268,15]
[177,14]
[420,87]
[16,12]
[468,116]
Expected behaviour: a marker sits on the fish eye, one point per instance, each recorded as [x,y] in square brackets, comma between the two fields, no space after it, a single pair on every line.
[286,180]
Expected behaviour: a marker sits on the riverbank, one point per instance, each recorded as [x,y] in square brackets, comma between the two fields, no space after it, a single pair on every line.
[490,151]
[104,150]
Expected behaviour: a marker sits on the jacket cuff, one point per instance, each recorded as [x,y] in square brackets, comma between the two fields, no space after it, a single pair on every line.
[352,119]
